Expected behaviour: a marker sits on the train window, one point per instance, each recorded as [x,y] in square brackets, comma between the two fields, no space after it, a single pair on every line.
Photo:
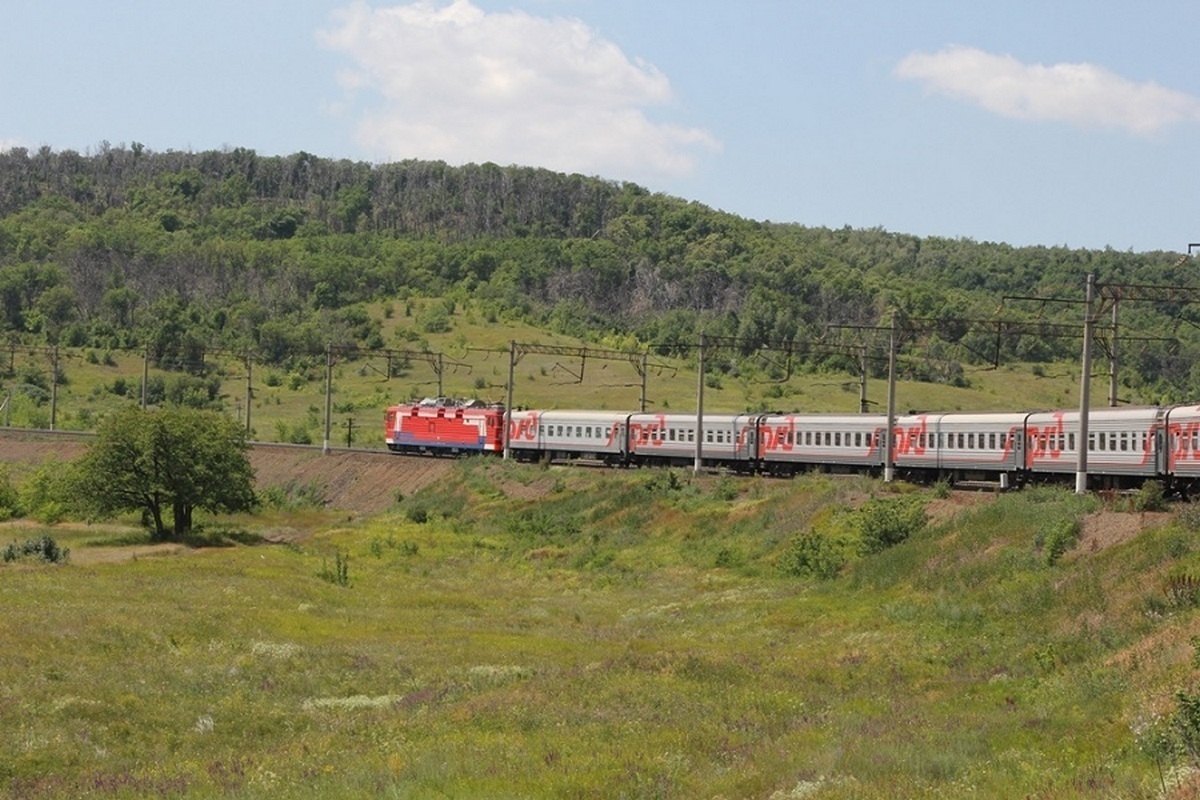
[1070,441]
[971,441]
[1103,442]
[1124,442]
[837,439]
[960,441]
[691,435]
[808,438]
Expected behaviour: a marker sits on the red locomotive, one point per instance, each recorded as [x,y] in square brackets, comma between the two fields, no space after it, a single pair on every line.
[438,425]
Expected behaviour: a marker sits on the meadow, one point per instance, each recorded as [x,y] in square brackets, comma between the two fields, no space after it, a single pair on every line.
[522,631]
[287,402]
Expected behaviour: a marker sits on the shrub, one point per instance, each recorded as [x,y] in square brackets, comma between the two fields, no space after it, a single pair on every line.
[1188,517]
[884,523]
[10,501]
[1057,538]
[340,574]
[43,548]
[293,495]
[1182,590]
[294,434]
[47,494]
[1150,497]
[812,554]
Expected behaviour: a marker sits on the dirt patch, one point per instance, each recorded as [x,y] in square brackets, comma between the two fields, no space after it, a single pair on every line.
[362,482]
[1101,530]
[1107,528]
[944,509]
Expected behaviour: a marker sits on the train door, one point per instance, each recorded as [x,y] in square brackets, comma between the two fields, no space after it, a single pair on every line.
[1162,451]
[1017,462]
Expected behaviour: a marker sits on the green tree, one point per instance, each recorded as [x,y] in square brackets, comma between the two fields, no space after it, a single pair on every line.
[170,461]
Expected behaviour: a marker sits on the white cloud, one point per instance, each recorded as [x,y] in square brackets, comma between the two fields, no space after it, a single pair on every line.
[9,144]
[459,84]
[1082,94]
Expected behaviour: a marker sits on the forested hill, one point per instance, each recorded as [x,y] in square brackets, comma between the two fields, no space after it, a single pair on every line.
[127,247]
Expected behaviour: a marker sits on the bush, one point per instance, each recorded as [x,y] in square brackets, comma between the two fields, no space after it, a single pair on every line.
[812,554]
[10,501]
[47,494]
[1182,590]
[1150,497]
[43,548]
[293,495]
[1057,538]
[340,574]
[1188,517]
[884,523]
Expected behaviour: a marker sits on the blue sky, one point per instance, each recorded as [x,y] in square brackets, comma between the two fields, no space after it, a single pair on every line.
[1070,123]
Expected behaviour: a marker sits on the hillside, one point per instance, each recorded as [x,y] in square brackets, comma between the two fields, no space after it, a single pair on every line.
[516,631]
[275,259]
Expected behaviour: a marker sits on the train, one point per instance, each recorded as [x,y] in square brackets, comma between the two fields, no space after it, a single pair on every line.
[1126,446]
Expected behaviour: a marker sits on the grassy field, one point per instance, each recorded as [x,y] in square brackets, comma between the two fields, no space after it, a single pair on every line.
[290,405]
[526,632]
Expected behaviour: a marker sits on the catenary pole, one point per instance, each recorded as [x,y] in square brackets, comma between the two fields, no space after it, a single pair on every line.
[512,365]
[328,395]
[1085,382]
[700,411]
[889,469]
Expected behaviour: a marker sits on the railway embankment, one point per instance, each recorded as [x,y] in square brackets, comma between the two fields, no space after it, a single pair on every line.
[360,481]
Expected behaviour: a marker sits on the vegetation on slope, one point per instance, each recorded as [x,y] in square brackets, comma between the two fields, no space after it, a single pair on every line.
[517,631]
[184,253]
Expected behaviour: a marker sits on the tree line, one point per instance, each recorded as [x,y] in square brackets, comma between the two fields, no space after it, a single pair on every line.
[173,251]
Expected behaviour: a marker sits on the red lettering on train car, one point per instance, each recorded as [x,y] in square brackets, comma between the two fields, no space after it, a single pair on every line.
[613,434]
[648,433]
[1183,442]
[524,428]
[780,437]
[912,439]
[1047,441]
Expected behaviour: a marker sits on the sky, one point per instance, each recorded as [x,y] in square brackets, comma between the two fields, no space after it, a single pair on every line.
[1050,122]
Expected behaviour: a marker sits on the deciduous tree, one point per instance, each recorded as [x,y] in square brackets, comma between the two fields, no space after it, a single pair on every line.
[167,463]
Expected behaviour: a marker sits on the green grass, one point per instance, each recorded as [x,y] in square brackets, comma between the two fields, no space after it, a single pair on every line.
[629,635]
[285,403]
